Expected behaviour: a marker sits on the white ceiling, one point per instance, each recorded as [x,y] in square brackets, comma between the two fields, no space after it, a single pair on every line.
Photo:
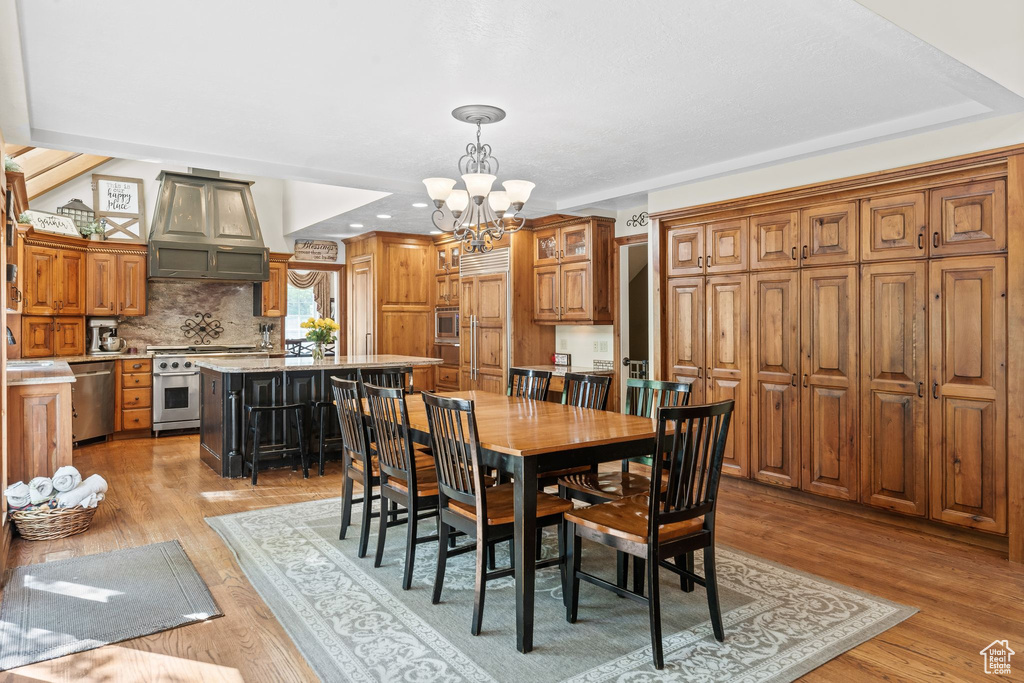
[605,99]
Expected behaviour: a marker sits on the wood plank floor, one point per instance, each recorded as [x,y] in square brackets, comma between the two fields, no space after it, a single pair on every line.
[967,596]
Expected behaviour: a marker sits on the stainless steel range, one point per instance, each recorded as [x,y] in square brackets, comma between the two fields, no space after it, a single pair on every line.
[176,382]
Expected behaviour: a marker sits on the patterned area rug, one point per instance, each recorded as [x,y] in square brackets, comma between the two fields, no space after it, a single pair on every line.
[353,622]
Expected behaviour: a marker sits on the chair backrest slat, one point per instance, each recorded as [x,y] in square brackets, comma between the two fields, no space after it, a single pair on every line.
[456,447]
[586,391]
[389,418]
[644,395]
[350,417]
[525,383]
[397,377]
[691,441]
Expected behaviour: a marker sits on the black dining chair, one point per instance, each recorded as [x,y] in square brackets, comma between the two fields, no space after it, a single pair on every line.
[671,521]
[525,383]
[643,396]
[402,483]
[359,460]
[586,391]
[467,503]
[395,377]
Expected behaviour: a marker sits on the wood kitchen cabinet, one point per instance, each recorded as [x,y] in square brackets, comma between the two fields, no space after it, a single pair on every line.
[447,292]
[893,227]
[483,338]
[270,298]
[775,241]
[14,294]
[131,284]
[115,284]
[967,416]
[447,257]
[572,272]
[718,247]
[894,377]
[39,434]
[685,317]
[133,398]
[40,281]
[727,371]
[43,336]
[828,234]
[968,219]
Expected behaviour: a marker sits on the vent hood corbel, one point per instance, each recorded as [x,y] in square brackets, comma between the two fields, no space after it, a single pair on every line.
[205,227]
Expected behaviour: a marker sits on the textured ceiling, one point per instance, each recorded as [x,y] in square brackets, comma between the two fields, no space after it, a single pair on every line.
[605,99]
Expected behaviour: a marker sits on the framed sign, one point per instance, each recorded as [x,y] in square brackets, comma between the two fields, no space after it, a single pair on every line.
[123,203]
[51,222]
[323,251]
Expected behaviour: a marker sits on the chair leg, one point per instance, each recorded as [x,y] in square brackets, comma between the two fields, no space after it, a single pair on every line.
[325,417]
[685,561]
[491,557]
[561,557]
[442,559]
[346,499]
[573,547]
[303,452]
[638,575]
[364,523]
[621,569]
[410,546]
[711,580]
[256,450]
[481,584]
[382,529]
[540,543]
[654,608]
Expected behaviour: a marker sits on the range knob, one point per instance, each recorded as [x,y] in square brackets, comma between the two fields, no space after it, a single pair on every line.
[174,364]
[163,365]
[188,364]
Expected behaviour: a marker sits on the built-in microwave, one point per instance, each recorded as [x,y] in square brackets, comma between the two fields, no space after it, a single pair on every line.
[446,325]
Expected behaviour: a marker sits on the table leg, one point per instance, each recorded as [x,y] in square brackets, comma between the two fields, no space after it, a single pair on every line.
[525,497]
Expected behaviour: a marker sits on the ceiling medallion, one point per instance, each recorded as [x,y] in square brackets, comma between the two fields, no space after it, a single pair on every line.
[481,215]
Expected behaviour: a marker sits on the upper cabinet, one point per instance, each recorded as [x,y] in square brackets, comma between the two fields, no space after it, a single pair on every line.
[54,281]
[447,273]
[968,219]
[573,272]
[447,260]
[115,284]
[270,298]
[775,241]
[828,234]
[719,247]
[893,227]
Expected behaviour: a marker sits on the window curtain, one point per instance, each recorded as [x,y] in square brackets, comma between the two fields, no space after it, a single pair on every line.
[320,281]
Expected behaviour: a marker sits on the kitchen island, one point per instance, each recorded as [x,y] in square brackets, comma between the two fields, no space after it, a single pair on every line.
[228,384]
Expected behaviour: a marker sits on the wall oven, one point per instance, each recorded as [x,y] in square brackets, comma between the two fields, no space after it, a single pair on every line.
[446,325]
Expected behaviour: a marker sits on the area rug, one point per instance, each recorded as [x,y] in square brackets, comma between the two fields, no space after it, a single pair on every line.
[354,623]
[56,608]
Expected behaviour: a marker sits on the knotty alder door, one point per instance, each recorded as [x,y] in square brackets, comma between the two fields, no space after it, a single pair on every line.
[967,418]
[484,332]
[894,366]
[828,400]
[685,303]
[727,347]
[361,305]
[101,276]
[774,373]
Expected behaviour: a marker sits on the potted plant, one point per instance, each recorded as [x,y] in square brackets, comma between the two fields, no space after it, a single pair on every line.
[321,332]
[94,230]
[11,166]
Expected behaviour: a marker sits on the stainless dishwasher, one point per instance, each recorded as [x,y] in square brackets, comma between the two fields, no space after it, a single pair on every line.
[92,400]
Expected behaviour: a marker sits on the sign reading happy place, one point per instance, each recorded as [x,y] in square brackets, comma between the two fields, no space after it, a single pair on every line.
[117,196]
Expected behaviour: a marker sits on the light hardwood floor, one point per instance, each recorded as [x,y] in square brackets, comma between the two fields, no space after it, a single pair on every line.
[967,596]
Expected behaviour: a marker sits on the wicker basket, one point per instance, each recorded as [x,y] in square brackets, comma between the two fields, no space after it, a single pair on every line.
[47,525]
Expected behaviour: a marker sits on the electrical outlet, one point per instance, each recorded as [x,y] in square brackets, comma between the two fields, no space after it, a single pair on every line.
[604,347]
[563,344]
[597,346]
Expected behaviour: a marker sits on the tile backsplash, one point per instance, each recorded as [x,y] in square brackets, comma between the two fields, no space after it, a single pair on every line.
[169,303]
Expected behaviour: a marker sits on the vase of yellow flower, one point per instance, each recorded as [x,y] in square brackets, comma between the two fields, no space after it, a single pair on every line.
[321,332]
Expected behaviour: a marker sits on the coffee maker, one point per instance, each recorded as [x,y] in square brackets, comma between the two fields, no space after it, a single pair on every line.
[103,339]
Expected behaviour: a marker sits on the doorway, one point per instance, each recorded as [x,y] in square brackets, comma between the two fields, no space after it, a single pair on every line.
[313,292]
[634,313]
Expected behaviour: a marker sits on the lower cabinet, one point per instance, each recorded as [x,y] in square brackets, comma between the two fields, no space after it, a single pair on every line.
[135,395]
[39,430]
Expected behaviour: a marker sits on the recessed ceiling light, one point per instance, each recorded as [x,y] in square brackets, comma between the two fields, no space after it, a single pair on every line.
[355,225]
[436,232]
[383,215]
[419,205]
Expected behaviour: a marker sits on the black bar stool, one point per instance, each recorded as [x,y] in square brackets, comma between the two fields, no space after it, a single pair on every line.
[325,417]
[254,424]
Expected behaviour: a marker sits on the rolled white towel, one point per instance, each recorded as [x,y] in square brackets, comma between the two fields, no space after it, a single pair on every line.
[18,495]
[40,490]
[73,498]
[66,478]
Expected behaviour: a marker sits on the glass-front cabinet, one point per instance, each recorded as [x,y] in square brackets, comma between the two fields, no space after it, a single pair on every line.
[448,257]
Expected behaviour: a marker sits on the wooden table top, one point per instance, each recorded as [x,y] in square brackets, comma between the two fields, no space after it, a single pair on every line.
[519,426]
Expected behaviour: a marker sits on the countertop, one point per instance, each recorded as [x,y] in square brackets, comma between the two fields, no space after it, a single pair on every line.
[22,372]
[89,359]
[560,370]
[229,364]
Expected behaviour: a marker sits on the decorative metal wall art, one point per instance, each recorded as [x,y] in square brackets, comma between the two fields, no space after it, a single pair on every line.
[202,328]
[638,221]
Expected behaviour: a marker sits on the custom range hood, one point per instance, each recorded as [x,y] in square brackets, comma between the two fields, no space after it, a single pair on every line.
[205,227]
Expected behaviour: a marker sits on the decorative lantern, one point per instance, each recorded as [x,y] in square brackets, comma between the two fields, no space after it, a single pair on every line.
[77,211]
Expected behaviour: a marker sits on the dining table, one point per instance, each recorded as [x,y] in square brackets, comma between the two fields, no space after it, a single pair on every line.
[525,439]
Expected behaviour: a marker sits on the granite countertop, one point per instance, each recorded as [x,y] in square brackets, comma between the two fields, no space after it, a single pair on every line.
[560,370]
[89,359]
[22,372]
[229,364]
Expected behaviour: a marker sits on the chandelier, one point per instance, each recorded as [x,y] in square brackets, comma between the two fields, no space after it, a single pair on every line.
[481,215]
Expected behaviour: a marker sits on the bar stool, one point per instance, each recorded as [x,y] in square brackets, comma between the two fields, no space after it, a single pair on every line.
[323,414]
[254,414]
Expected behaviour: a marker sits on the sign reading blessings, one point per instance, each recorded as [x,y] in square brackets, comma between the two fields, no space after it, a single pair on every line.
[316,250]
